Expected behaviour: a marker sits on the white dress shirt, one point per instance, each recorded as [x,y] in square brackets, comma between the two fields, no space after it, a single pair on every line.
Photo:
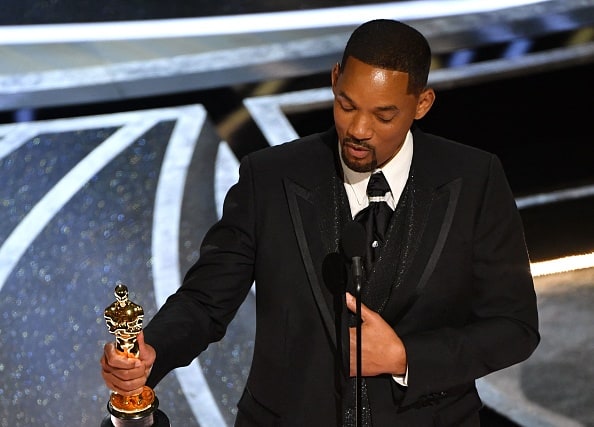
[396,172]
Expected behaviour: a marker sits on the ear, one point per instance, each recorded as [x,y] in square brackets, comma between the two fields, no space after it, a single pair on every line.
[335,73]
[425,102]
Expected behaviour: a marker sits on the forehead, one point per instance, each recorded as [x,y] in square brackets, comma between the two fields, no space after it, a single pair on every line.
[367,82]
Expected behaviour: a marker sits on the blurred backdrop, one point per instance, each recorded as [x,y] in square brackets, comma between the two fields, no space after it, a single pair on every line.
[121,128]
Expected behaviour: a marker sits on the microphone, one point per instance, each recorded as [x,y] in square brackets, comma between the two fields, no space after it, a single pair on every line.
[354,242]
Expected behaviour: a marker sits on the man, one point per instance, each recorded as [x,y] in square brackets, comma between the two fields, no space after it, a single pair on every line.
[447,298]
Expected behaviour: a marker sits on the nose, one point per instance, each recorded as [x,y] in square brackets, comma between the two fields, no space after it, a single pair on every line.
[360,127]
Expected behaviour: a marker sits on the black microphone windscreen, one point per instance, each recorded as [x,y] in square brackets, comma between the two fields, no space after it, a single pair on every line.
[354,240]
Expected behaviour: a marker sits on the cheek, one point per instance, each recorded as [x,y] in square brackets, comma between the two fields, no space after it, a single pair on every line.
[388,143]
[383,151]
[340,119]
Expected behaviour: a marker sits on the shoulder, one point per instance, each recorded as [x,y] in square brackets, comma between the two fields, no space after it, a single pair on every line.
[439,153]
[437,160]
[435,145]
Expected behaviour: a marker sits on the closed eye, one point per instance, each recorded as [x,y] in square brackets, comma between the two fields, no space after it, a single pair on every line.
[346,107]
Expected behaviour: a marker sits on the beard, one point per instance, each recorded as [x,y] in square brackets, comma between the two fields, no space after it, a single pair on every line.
[358,165]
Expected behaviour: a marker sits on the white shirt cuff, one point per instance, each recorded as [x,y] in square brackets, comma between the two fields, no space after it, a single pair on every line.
[402,379]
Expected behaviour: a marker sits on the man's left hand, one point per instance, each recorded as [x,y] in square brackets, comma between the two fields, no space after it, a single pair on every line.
[382,350]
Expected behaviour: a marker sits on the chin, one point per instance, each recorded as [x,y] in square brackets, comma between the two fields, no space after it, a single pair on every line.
[360,165]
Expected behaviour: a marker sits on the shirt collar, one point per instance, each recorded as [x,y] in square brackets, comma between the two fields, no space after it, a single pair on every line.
[396,172]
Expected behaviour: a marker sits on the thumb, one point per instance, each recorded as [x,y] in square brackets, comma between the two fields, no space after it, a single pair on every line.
[146,351]
[140,341]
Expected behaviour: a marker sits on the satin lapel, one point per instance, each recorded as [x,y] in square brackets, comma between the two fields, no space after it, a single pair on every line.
[318,217]
[429,218]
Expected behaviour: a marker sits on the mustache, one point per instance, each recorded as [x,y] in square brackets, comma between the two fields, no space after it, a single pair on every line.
[356,142]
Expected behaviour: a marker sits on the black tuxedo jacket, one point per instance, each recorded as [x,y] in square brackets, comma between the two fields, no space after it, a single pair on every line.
[457,289]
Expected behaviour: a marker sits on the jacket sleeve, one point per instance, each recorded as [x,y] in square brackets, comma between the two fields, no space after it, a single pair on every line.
[199,312]
[502,328]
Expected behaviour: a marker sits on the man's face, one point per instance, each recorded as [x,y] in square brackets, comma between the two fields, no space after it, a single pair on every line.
[373,112]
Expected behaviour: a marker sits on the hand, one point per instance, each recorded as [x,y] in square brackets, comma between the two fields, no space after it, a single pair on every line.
[382,351]
[125,374]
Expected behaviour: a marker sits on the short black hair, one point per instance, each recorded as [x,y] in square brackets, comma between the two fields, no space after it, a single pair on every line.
[391,45]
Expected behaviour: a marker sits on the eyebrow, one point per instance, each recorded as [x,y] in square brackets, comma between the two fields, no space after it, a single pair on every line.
[387,108]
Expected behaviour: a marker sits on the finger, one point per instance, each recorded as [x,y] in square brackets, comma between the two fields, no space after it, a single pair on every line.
[119,368]
[121,375]
[123,381]
[126,388]
[117,359]
[351,303]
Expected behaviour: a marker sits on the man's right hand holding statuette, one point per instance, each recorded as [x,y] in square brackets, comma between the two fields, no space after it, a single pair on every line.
[126,364]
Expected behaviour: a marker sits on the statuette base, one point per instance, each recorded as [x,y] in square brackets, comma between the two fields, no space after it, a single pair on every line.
[151,417]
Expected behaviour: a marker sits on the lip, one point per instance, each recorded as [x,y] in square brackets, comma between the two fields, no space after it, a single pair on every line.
[357,151]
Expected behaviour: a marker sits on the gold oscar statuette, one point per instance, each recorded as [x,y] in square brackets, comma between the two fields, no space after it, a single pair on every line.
[124,320]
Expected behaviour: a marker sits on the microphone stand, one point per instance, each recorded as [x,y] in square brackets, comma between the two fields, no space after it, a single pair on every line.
[354,245]
[358,276]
